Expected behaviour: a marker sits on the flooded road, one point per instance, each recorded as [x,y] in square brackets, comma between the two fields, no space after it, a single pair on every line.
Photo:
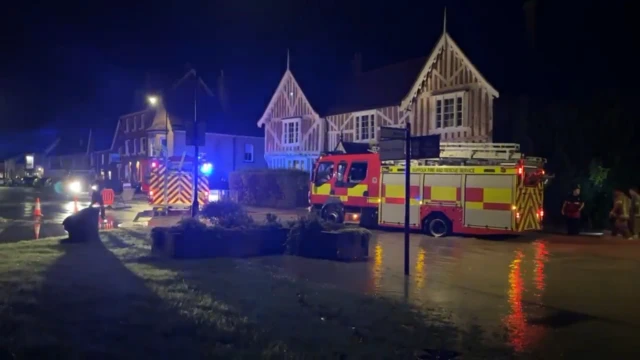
[546,297]
[17,220]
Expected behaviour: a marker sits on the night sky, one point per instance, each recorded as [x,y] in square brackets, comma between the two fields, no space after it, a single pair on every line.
[69,64]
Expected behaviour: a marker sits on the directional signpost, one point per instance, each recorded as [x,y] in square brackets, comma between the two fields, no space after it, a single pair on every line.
[391,148]
[397,144]
[425,147]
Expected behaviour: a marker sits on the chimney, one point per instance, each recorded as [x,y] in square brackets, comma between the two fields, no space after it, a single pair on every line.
[356,64]
[223,96]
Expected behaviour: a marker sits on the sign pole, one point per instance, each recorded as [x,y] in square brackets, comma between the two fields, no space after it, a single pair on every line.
[194,206]
[407,196]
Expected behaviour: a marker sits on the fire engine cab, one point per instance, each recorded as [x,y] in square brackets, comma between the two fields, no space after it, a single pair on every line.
[171,183]
[472,188]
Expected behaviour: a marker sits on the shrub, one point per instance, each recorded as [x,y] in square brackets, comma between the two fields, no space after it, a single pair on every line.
[277,188]
[272,221]
[308,229]
[227,214]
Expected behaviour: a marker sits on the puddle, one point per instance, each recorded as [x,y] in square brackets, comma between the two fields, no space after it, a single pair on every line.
[13,231]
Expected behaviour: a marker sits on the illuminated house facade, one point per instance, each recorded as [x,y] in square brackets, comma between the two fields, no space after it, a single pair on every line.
[443,93]
[145,135]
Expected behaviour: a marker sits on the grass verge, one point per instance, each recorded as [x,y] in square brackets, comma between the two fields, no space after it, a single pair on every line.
[113,300]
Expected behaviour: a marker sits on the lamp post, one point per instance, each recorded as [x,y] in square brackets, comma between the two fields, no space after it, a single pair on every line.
[195,206]
[154,101]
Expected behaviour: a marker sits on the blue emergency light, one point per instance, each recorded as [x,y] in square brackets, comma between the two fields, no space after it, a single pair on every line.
[206,169]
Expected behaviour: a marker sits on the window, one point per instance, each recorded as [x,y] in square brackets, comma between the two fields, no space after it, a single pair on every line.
[365,127]
[248,152]
[102,160]
[135,123]
[143,145]
[135,147]
[120,152]
[357,172]
[449,110]
[342,169]
[142,122]
[291,132]
[324,171]
[126,124]
[127,147]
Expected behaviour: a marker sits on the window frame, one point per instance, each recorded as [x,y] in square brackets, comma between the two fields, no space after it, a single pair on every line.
[315,172]
[458,119]
[371,128]
[251,152]
[297,128]
[143,145]
[127,146]
[366,165]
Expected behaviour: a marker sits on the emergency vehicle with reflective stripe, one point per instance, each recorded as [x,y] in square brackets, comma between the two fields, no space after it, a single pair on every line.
[472,199]
[179,185]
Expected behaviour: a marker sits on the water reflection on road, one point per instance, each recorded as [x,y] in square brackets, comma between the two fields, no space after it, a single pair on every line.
[533,295]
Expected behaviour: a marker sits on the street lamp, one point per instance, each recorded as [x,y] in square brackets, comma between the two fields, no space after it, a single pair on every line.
[153,100]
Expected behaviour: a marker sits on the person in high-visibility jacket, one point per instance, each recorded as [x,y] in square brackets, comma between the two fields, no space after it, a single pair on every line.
[634,212]
[571,210]
[620,214]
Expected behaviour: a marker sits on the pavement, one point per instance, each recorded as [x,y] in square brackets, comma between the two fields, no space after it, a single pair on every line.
[546,295]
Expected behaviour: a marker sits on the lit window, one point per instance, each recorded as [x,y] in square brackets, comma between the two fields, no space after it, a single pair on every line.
[449,110]
[365,127]
[248,152]
[291,132]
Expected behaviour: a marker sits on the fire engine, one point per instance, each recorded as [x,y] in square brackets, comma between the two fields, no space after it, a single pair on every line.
[473,188]
[171,183]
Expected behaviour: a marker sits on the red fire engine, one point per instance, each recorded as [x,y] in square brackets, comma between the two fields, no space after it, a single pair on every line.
[471,189]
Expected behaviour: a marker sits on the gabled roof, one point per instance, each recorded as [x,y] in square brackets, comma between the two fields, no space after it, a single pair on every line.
[287,74]
[382,87]
[444,41]
[71,143]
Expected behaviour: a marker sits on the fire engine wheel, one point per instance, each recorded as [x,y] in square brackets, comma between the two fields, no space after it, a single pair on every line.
[437,226]
[332,213]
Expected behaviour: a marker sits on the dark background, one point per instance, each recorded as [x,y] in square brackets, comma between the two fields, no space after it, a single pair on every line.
[568,83]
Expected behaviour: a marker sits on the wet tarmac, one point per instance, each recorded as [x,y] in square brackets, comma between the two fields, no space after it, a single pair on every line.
[546,297]
[17,219]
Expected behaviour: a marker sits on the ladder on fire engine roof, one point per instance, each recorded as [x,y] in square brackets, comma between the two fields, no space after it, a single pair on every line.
[476,154]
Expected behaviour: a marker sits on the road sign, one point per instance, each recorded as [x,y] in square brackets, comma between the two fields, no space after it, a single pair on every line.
[202,129]
[425,147]
[391,133]
[391,150]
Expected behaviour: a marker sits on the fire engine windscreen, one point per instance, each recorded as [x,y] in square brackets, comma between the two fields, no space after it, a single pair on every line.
[323,173]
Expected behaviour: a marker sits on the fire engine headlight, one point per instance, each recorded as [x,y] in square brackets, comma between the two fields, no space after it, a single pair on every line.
[75,187]
[94,187]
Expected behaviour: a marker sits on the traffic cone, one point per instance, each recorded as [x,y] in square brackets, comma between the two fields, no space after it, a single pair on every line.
[37,211]
[36,228]
[75,205]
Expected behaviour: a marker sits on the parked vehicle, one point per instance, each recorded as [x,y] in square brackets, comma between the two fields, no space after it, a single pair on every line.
[471,189]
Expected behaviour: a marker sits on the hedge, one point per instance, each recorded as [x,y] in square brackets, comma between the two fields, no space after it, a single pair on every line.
[225,231]
[274,188]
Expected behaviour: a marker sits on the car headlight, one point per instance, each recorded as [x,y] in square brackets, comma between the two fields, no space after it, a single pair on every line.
[94,187]
[75,187]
